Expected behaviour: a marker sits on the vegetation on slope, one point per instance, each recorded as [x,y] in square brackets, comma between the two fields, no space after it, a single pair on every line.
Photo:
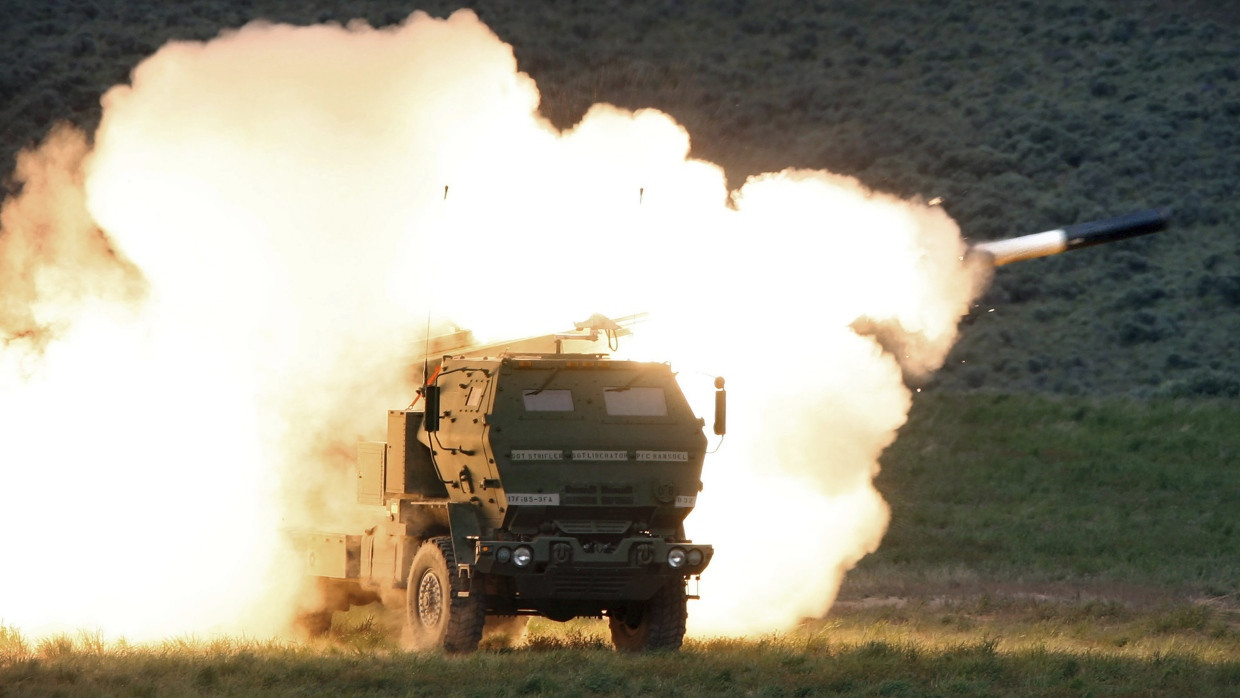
[1038,547]
[1022,115]
[1052,492]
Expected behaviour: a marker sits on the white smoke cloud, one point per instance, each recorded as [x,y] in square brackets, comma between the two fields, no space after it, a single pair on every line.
[282,192]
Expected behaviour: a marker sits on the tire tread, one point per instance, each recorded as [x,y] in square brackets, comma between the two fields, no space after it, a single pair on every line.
[462,628]
[467,614]
[662,626]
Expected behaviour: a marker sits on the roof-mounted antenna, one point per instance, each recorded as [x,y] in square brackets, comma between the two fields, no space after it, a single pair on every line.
[426,349]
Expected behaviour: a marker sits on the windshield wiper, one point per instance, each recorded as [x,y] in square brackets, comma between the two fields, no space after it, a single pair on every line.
[546,382]
[626,386]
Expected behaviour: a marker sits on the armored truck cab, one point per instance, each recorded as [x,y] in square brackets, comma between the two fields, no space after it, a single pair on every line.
[529,484]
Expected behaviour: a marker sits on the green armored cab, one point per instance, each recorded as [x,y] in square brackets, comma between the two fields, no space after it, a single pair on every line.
[544,484]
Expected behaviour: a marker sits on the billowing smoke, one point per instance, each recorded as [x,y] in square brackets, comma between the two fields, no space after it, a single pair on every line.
[288,209]
[53,257]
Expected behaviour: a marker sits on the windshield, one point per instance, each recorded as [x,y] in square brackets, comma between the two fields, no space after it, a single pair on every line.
[635,402]
[548,400]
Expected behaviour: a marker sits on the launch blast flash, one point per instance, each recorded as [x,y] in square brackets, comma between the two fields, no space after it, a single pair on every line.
[1072,237]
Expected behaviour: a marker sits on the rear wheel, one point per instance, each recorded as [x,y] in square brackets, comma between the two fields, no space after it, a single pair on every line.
[658,624]
[436,615]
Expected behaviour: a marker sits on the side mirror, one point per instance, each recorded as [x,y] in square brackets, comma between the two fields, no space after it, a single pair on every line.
[430,422]
[721,408]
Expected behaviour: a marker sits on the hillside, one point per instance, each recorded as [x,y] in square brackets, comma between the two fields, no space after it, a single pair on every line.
[1023,116]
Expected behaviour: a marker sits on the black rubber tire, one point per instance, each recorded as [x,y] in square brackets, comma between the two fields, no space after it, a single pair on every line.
[435,615]
[662,624]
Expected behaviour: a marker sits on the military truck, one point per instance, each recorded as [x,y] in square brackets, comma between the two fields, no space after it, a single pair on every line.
[527,482]
[530,481]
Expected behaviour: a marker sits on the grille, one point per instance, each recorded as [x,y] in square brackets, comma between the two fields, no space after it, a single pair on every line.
[589,527]
[589,495]
[591,583]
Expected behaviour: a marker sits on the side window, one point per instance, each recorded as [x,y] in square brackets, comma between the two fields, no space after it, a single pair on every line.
[548,400]
[635,402]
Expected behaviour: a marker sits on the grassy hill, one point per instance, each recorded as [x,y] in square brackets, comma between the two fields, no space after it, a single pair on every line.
[1051,534]
[1102,497]
[1022,115]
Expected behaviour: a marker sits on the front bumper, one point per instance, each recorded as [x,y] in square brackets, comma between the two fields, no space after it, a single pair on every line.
[559,567]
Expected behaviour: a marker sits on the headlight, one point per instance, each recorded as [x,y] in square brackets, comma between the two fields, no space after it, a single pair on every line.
[522,556]
[676,558]
[503,555]
[695,557]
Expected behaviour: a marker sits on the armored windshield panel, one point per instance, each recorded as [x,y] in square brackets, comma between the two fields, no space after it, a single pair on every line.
[635,402]
[548,400]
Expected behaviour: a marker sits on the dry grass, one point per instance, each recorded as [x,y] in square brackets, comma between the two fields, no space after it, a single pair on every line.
[915,650]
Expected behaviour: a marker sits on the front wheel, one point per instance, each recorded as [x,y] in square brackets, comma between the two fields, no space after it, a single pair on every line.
[437,615]
[658,624]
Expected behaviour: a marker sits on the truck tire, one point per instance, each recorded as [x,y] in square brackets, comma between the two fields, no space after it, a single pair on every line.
[661,625]
[436,615]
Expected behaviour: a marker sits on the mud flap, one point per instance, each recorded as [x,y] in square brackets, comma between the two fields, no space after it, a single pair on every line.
[463,519]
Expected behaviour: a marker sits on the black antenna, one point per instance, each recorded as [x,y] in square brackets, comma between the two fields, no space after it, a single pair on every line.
[426,348]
